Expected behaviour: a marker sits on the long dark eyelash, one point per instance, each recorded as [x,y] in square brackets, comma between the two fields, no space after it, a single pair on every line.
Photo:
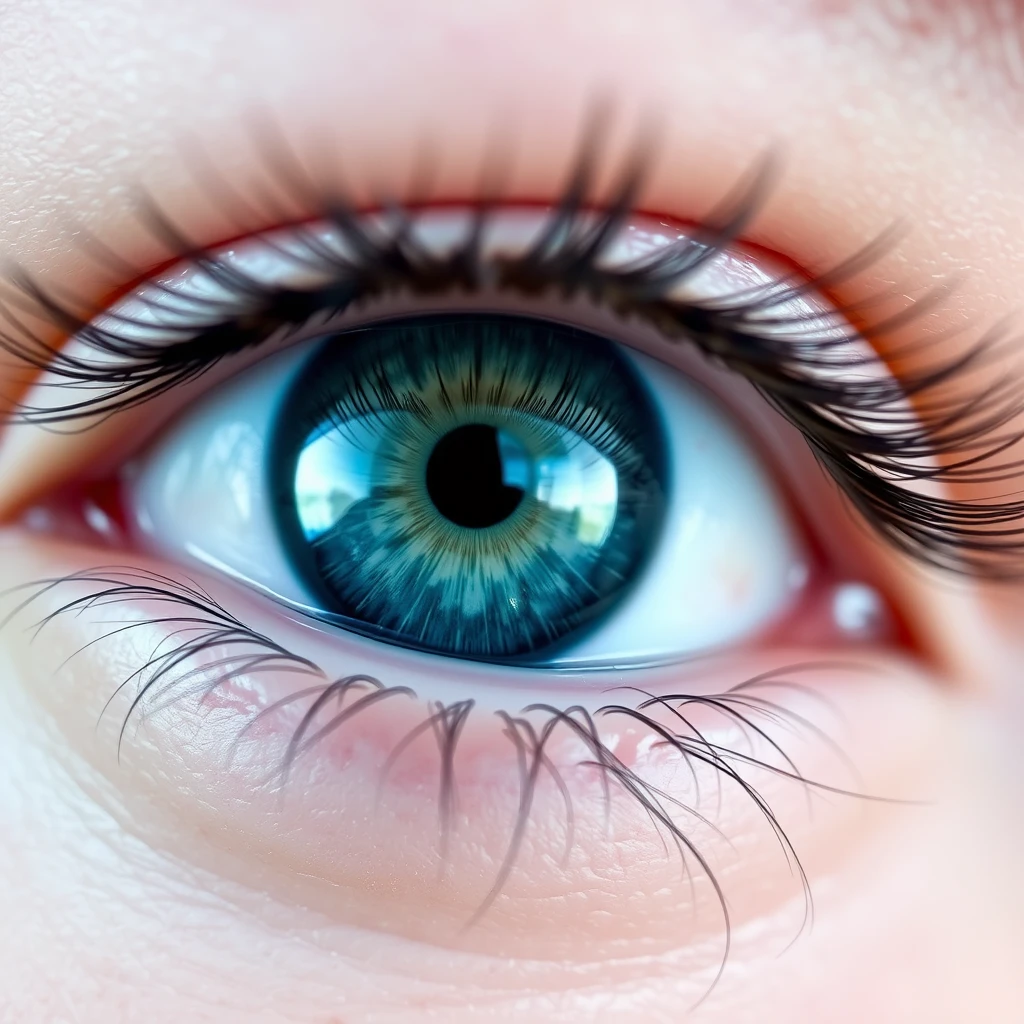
[889,444]
[200,624]
[197,624]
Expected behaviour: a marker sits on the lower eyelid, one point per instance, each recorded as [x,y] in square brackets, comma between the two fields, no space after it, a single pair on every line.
[376,853]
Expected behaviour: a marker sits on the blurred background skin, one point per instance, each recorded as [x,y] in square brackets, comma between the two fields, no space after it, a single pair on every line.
[882,111]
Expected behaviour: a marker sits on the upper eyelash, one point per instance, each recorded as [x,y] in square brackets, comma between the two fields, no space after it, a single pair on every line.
[874,436]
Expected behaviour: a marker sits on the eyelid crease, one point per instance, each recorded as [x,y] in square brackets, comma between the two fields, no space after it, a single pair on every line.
[894,446]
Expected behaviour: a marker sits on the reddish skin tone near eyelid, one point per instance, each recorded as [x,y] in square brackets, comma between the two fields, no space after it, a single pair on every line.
[117,293]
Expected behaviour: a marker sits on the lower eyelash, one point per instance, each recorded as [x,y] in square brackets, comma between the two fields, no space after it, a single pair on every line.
[196,624]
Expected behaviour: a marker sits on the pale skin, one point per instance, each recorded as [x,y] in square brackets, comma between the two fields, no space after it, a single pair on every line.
[158,890]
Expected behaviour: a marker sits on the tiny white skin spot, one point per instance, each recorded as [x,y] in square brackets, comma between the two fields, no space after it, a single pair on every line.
[858,610]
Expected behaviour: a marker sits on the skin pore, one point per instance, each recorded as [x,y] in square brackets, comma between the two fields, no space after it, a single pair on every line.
[156,889]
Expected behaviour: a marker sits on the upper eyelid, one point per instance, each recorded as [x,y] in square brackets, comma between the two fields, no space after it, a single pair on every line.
[960,535]
[306,202]
[192,321]
[721,228]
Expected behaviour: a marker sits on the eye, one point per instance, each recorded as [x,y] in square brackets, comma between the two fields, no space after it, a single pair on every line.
[532,503]
[447,455]
[486,486]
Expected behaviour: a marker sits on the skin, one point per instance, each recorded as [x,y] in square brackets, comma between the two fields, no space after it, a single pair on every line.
[162,888]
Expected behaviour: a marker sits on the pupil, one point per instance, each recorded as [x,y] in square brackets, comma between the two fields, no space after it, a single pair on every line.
[466,477]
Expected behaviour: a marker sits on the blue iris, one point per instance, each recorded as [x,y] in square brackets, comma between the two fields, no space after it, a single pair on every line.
[480,485]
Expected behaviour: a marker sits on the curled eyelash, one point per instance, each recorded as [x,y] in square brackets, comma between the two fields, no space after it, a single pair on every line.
[892,446]
[197,626]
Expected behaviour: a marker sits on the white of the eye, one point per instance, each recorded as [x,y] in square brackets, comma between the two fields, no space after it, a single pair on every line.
[203,489]
[728,562]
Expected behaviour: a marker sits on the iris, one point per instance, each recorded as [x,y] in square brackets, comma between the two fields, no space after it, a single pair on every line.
[480,485]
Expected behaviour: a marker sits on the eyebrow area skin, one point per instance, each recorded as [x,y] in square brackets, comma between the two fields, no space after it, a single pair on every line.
[880,112]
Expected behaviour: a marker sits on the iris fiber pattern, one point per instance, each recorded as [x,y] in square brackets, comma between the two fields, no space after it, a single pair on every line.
[392,438]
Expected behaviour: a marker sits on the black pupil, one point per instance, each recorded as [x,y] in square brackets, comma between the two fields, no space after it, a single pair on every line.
[466,478]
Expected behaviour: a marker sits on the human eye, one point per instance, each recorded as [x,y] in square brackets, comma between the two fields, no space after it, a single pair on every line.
[513,535]
[513,488]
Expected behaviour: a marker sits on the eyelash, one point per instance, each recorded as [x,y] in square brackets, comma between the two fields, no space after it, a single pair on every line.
[873,436]
[198,623]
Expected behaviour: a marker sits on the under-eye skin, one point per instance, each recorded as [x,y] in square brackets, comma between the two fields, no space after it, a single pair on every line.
[464,487]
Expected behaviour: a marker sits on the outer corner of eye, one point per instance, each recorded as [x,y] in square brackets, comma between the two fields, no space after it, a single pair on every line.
[486,486]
